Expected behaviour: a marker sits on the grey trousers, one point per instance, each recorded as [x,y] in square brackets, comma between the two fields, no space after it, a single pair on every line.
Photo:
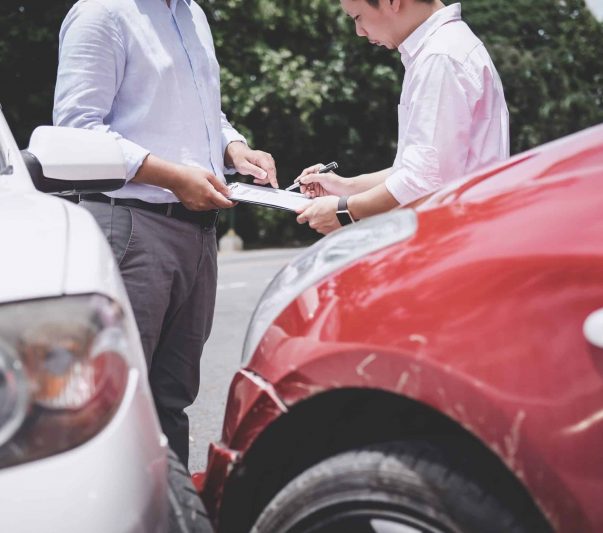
[169,268]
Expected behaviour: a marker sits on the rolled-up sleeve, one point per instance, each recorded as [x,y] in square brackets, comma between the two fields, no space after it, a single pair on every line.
[229,134]
[417,175]
[437,126]
[92,59]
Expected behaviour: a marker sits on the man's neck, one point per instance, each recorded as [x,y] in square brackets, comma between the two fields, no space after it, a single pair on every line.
[415,14]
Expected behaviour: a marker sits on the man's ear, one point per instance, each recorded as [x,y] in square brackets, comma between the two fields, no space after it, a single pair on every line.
[395,5]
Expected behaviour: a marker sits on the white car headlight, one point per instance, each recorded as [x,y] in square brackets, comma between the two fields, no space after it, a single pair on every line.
[63,373]
[323,258]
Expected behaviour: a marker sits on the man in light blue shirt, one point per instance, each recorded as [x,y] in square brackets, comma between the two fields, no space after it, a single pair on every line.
[146,72]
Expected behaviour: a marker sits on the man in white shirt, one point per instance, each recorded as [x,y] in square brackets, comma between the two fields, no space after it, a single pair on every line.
[146,72]
[452,116]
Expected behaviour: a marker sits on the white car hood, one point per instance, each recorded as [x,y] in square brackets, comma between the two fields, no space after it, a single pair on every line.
[50,247]
[33,242]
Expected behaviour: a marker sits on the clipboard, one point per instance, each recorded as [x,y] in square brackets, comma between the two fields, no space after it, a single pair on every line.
[267,196]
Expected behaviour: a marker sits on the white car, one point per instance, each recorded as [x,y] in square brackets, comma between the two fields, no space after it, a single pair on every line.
[81,448]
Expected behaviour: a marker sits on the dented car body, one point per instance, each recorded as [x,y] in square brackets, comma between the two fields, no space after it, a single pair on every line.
[479,320]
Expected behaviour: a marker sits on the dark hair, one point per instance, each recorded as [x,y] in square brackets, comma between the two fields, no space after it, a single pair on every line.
[375,3]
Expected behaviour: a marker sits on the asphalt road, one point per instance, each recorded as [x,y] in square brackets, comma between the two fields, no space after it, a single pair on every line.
[242,278]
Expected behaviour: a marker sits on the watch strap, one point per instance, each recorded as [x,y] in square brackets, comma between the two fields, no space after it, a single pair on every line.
[343,213]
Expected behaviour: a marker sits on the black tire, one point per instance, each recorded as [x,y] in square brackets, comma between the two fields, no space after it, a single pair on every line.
[397,487]
[187,512]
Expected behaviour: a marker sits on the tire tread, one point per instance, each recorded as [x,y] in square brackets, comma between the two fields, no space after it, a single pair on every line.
[414,472]
[187,512]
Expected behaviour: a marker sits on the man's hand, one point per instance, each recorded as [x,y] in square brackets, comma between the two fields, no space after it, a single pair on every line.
[321,215]
[250,162]
[200,190]
[197,188]
[314,184]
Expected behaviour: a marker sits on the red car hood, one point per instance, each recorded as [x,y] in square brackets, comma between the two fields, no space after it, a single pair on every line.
[578,154]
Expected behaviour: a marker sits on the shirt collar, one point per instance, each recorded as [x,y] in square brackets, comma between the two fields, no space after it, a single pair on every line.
[174,3]
[411,46]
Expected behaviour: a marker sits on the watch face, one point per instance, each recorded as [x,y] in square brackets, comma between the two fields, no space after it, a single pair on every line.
[343,214]
[344,218]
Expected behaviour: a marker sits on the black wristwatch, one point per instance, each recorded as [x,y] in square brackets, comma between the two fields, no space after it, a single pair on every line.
[343,214]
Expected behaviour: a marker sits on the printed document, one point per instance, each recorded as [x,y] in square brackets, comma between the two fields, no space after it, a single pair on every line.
[267,196]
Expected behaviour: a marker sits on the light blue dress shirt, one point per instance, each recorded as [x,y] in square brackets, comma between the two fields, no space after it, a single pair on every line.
[148,74]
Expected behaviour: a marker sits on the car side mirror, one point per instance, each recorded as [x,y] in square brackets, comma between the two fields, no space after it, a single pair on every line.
[67,161]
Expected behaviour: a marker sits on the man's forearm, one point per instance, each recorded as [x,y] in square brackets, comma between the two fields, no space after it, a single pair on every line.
[365,182]
[196,188]
[157,171]
[371,202]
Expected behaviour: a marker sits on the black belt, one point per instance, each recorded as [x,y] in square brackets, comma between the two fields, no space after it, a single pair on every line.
[206,219]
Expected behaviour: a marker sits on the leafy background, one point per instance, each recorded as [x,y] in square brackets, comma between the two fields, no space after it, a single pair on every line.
[299,83]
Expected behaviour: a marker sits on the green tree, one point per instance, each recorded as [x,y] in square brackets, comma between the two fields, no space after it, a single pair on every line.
[29,32]
[300,84]
[549,56]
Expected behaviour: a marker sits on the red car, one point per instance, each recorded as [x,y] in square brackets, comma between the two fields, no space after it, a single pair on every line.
[431,370]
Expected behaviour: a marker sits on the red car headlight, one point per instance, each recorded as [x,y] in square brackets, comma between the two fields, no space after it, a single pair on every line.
[62,374]
[329,254]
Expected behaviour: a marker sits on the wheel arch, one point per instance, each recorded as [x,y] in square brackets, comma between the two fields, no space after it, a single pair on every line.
[339,420]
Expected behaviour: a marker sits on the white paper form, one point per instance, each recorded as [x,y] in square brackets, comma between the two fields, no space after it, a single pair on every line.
[267,196]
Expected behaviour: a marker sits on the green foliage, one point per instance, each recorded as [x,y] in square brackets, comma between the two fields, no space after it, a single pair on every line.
[299,83]
[549,56]
[302,85]
[29,32]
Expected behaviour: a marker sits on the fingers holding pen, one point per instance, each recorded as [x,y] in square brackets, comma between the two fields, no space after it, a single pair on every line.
[316,179]
[311,185]
[322,184]
[310,170]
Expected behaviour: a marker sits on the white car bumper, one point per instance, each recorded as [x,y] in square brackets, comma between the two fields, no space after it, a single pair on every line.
[114,483]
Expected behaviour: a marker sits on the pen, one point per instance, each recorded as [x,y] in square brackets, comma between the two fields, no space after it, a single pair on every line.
[323,170]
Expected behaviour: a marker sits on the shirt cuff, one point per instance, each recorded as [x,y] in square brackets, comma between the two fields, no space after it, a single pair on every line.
[134,156]
[416,174]
[397,189]
[229,136]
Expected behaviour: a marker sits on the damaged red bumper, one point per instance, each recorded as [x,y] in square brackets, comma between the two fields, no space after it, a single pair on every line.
[252,405]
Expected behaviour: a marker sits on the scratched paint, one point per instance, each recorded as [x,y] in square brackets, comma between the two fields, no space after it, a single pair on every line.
[512,439]
[364,363]
[402,382]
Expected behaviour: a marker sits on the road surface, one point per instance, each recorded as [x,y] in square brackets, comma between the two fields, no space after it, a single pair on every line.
[242,278]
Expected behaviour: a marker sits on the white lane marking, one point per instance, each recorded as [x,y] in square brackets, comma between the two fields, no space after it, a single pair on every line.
[233,285]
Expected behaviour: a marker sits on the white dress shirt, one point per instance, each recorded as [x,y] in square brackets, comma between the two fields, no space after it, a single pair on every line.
[148,74]
[452,116]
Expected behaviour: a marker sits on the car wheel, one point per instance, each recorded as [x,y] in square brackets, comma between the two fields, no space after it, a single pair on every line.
[406,487]
[187,512]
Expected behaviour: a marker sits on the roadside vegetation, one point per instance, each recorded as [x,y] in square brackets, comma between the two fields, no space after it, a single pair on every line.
[298,82]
